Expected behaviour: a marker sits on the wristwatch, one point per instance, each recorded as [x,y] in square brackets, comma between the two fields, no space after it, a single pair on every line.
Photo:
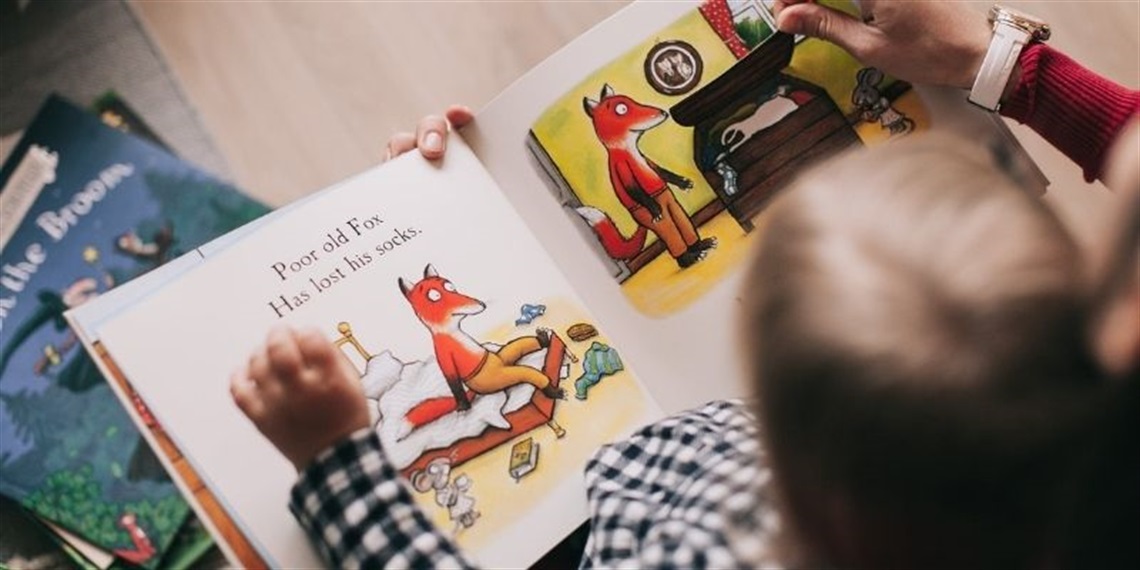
[1012,31]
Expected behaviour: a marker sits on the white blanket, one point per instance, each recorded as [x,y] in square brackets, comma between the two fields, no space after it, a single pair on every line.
[395,387]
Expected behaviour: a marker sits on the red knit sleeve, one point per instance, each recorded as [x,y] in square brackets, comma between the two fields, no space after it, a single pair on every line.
[1077,111]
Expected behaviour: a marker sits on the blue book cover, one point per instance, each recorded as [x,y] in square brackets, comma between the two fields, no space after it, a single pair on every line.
[86,207]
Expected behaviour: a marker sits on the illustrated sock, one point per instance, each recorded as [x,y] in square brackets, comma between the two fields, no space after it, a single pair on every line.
[584,382]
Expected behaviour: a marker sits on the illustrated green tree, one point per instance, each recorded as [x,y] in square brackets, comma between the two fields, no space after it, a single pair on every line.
[752,31]
[26,412]
[74,500]
[76,469]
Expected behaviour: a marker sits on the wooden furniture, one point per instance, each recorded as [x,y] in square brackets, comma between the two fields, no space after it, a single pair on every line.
[765,160]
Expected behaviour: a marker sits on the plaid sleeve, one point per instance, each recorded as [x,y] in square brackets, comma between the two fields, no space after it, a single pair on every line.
[353,504]
[690,491]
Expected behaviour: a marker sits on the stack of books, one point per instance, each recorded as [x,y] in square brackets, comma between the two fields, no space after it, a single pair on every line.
[92,198]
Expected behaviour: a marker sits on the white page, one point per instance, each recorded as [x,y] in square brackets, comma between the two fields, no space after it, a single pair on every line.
[689,356]
[686,359]
[211,318]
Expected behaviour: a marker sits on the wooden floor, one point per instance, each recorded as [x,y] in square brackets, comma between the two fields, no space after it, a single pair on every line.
[300,94]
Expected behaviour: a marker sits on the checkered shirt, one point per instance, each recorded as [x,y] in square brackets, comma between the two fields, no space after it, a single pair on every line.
[358,511]
[689,491]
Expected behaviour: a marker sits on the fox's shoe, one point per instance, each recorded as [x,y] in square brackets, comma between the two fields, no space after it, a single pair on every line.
[553,392]
[544,335]
[690,257]
[462,402]
[696,252]
[704,244]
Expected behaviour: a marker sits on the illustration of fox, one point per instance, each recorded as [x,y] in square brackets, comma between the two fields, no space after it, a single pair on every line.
[143,549]
[640,185]
[464,360]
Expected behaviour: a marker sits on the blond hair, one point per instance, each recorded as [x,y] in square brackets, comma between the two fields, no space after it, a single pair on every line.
[912,321]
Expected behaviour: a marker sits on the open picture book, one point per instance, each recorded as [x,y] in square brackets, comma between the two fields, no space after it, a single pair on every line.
[589,228]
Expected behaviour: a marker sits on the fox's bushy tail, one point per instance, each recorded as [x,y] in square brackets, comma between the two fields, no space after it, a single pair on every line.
[616,245]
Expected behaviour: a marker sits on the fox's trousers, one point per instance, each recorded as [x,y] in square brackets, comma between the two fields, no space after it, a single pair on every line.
[675,228]
[499,371]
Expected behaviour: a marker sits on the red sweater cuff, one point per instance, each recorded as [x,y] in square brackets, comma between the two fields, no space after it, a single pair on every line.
[1077,111]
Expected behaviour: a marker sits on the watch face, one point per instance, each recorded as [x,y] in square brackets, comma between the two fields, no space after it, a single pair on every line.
[1014,13]
[1031,24]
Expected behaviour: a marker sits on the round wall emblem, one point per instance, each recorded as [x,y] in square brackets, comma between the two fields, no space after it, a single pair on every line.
[673,67]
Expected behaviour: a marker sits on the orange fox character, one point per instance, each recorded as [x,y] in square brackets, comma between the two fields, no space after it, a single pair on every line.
[143,548]
[464,360]
[640,185]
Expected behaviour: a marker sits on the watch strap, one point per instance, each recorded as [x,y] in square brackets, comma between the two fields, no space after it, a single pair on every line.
[997,67]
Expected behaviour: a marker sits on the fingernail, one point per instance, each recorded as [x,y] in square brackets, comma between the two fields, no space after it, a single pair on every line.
[784,23]
[432,142]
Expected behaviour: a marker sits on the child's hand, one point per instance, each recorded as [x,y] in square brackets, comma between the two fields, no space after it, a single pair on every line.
[301,393]
[431,134]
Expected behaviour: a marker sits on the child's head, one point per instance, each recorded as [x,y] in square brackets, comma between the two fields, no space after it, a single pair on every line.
[914,329]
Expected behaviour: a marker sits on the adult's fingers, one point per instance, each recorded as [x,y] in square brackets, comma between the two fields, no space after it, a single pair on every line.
[779,5]
[827,24]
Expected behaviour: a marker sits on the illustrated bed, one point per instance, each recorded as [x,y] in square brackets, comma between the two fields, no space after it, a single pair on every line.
[415,414]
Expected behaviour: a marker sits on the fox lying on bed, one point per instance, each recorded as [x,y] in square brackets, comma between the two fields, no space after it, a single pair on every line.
[464,360]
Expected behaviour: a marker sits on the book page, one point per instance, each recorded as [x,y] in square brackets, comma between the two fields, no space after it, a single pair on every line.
[644,153]
[358,262]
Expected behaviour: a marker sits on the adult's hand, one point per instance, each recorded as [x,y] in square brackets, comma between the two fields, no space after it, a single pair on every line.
[938,43]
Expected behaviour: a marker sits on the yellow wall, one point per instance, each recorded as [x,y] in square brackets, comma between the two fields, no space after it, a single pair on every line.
[567,134]
[828,66]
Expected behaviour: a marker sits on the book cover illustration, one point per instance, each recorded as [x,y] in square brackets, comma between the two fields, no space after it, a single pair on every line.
[103,207]
[669,153]
[192,541]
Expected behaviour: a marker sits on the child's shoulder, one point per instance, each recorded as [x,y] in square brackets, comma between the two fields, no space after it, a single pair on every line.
[689,442]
